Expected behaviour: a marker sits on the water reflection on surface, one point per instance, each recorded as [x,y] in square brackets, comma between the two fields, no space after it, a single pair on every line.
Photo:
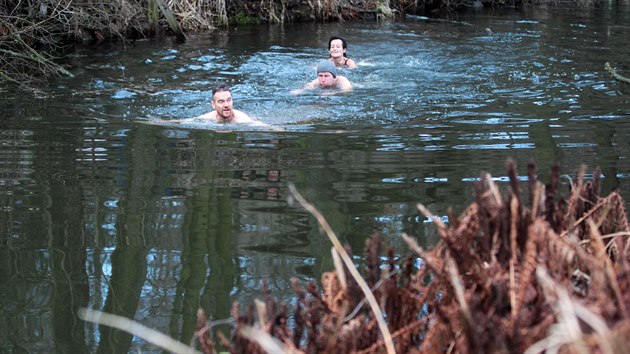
[154,221]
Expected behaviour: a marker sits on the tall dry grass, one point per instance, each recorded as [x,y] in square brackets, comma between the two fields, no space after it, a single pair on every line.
[199,15]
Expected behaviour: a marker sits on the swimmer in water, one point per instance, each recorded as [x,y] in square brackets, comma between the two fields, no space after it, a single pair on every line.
[338,48]
[223,112]
[327,79]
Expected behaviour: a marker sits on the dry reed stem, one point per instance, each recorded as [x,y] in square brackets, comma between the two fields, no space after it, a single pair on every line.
[135,328]
[270,344]
[567,331]
[413,245]
[600,249]
[261,309]
[341,274]
[456,283]
[364,300]
[204,331]
[574,199]
[588,214]
[513,232]
[442,229]
[493,189]
[537,200]
[395,335]
[528,267]
[378,314]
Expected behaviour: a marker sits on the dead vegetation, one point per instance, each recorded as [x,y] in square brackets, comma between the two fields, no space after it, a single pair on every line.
[34,35]
[513,273]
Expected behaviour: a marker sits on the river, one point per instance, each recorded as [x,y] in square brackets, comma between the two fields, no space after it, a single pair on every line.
[101,210]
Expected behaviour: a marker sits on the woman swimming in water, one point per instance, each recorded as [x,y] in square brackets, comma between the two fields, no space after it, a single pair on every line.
[338,47]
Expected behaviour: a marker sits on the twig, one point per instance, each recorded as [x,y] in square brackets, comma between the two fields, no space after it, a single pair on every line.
[135,328]
[341,273]
[208,328]
[513,258]
[568,313]
[362,302]
[600,251]
[37,58]
[378,314]
[6,77]
[458,287]
[266,341]
[615,75]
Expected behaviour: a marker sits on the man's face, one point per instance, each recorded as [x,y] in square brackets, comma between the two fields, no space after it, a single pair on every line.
[326,79]
[222,102]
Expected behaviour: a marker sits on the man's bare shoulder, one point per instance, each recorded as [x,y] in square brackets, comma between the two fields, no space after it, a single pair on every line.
[343,83]
[242,117]
[209,116]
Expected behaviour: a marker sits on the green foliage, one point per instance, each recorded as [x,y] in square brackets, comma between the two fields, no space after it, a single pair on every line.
[242,19]
[153,13]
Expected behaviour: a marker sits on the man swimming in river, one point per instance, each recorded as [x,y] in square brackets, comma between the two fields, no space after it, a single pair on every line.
[223,112]
[327,78]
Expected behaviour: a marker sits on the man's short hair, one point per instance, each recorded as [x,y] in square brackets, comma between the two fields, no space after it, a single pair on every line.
[220,88]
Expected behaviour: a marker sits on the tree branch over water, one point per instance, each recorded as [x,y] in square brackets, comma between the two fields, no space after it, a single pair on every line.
[20,38]
[615,74]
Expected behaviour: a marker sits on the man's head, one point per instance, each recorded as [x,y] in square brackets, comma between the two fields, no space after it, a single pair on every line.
[222,102]
[220,88]
[326,73]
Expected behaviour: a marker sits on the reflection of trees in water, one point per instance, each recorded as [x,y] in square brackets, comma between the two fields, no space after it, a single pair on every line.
[248,170]
[252,177]
[217,192]
[129,260]
[42,274]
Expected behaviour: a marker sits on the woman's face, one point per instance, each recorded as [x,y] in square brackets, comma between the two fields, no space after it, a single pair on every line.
[336,48]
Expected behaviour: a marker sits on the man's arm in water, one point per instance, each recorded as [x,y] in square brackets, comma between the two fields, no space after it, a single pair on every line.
[210,116]
[308,87]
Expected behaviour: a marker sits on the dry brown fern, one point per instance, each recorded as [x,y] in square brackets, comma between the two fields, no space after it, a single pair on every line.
[479,288]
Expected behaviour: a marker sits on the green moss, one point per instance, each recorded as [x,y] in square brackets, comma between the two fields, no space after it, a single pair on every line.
[241,19]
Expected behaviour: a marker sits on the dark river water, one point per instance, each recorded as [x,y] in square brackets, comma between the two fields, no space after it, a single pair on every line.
[99,209]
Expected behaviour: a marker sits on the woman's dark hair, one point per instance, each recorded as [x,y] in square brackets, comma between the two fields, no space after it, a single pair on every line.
[344,45]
